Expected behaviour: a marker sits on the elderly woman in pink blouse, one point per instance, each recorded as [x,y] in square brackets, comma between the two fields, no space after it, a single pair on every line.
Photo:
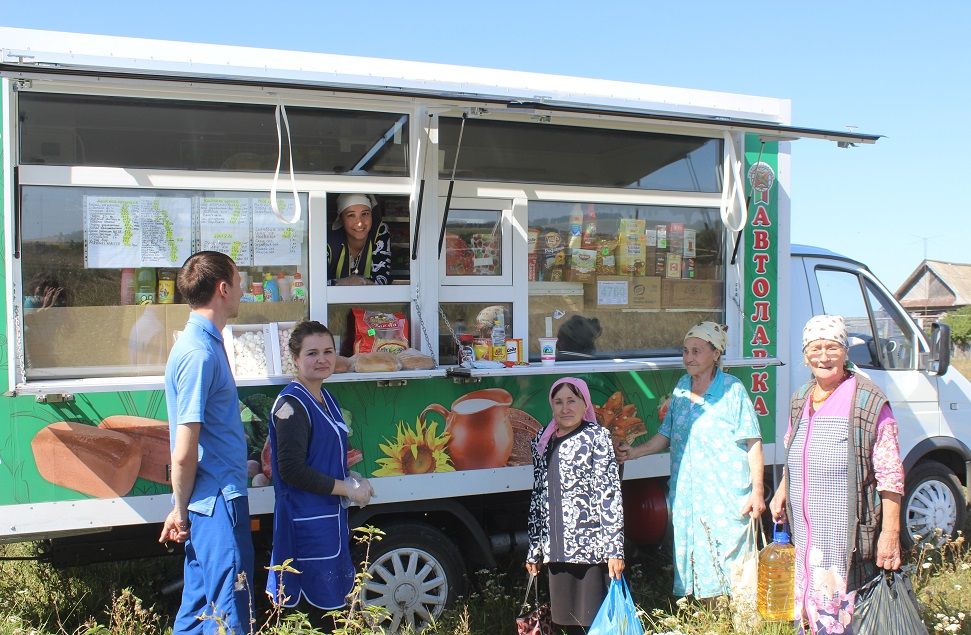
[842,482]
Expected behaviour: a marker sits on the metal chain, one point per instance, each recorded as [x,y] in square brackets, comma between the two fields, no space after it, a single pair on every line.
[421,322]
[455,338]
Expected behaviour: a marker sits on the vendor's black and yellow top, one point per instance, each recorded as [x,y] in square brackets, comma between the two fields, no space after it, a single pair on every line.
[375,258]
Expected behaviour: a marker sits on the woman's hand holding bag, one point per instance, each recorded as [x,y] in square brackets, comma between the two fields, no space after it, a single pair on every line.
[617,614]
[887,605]
[535,621]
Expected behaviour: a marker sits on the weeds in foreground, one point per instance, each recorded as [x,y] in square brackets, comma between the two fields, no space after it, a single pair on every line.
[940,570]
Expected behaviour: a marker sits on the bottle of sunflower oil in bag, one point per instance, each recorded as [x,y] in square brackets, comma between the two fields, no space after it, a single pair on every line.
[777,578]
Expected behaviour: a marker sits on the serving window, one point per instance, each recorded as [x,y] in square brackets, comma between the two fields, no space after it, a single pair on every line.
[195,135]
[621,281]
[569,155]
[98,270]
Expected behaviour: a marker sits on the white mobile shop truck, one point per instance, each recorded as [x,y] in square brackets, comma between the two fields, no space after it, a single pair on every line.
[609,215]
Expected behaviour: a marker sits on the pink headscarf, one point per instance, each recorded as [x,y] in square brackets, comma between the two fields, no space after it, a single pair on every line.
[588,415]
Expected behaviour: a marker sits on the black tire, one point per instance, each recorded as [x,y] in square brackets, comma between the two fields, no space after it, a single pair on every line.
[933,499]
[409,556]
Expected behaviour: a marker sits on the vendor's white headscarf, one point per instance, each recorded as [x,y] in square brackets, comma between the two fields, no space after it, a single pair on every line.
[714,334]
[346,200]
[824,327]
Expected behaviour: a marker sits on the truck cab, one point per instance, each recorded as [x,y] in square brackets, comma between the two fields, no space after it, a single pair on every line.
[930,400]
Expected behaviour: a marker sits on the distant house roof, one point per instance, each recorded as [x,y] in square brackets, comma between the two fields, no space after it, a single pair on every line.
[936,285]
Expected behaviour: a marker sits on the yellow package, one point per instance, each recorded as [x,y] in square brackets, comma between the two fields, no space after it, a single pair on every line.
[632,247]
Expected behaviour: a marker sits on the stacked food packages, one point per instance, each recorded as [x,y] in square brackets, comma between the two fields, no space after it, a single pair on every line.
[648,255]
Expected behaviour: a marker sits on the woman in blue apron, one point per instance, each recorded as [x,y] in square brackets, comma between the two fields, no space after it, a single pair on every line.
[308,441]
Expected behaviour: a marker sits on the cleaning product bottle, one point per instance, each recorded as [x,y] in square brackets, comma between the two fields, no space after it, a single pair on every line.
[271,293]
[127,295]
[283,286]
[297,290]
[145,282]
[166,286]
[777,578]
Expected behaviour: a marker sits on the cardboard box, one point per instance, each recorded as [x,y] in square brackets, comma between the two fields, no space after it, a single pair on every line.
[607,292]
[645,292]
[692,294]
[259,363]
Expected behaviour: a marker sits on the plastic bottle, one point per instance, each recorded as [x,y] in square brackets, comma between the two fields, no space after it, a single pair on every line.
[297,290]
[256,288]
[777,578]
[145,282]
[589,237]
[576,227]
[283,286]
[271,293]
[499,338]
[127,295]
[166,286]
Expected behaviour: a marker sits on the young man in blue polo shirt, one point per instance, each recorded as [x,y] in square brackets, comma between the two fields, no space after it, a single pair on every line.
[211,512]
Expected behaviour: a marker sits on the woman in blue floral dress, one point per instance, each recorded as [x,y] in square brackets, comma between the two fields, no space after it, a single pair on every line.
[716,466]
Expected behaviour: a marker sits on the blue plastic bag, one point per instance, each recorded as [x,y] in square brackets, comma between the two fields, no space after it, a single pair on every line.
[617,614]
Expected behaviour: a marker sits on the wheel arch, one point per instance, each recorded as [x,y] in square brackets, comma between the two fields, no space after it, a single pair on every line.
[450,517]
[948,451]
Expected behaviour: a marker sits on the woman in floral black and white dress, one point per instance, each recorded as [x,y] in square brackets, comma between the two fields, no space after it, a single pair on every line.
[576,516]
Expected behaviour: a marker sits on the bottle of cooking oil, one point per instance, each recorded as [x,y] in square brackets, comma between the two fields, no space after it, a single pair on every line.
[777,578]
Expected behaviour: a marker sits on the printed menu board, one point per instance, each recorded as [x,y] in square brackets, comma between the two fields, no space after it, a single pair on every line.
[144,231]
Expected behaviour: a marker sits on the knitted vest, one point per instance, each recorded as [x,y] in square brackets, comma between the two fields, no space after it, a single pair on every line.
[863,500]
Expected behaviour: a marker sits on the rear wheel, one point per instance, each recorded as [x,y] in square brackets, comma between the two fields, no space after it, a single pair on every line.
[415,572]
[933,499]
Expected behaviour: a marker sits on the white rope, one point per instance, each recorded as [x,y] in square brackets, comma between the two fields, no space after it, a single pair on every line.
[281,112]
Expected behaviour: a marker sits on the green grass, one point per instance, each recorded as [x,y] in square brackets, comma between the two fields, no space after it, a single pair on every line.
[124,598]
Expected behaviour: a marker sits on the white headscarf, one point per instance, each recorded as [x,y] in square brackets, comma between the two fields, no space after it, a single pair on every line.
[346,200]
[714,334]
[824,327]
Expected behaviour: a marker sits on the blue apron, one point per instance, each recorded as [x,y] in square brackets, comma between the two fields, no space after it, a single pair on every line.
[310,528]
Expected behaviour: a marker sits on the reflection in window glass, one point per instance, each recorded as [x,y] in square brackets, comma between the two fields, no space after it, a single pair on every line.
[471,321]
[99,267]
[473,243]
[621,281]
[841,294]
[188,135]
[542,153]
[895,336]
[371,327]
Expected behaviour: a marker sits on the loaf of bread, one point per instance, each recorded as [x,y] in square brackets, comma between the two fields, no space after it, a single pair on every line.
[342,365]
[412,359]
[153,434]
[93,461]
[375,362]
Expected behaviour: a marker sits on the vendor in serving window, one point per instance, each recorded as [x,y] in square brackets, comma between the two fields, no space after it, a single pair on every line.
[358,245]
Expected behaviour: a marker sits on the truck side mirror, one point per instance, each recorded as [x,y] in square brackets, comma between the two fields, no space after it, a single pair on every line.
[940,357]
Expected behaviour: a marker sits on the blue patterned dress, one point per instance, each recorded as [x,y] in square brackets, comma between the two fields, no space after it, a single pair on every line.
[710,482]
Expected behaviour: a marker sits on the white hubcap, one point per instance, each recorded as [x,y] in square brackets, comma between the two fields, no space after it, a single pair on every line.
[410,584]
[931,507]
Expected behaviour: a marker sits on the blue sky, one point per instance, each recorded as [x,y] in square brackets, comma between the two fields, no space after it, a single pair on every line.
[898,69]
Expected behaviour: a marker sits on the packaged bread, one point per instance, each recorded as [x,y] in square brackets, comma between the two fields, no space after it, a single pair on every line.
[412,359]
[153,434]
[379,331]
[343,365]
[379,362]
[93,461]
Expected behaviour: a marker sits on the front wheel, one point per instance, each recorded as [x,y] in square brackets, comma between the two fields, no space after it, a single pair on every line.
[933,499]
[415,572]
